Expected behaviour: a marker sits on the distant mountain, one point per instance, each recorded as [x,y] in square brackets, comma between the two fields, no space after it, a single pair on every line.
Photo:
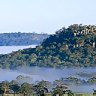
[74,46]
[19,39]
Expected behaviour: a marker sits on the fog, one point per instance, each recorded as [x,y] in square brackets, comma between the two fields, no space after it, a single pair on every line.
[49,74]
[52,74]
[40,73]
[9,49]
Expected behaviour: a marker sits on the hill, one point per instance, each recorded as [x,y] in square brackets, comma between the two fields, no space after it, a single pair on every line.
[19,39]
[74,46]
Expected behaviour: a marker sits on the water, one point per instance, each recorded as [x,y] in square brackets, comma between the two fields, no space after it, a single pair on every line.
[9,49]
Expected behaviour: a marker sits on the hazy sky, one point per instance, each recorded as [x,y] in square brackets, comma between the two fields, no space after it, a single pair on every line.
[44,15]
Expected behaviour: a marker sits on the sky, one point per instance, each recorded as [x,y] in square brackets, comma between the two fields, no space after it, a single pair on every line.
[45,16]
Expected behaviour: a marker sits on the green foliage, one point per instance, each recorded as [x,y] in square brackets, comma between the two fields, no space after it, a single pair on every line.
[74,46]
[92,80]
[9,39]
[45,84]
[26,89]
[5,86]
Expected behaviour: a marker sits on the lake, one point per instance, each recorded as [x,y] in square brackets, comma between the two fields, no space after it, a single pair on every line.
[50,74]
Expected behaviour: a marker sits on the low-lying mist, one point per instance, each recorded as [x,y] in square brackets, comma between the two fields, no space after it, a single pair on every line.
[40,73]
[33,74]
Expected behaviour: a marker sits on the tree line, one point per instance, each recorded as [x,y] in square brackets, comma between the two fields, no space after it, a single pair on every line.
[39,89]
[18,39]
[74,46]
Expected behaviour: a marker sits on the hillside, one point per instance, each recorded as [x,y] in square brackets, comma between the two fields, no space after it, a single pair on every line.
[74,46]
[19,39]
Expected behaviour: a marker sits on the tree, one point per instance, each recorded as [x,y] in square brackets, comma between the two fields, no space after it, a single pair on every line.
[5,87]
[26,89]
[58,91]
[45,84]
[15,88]
[40,90]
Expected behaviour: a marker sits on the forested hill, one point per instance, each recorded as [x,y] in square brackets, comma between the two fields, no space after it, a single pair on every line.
[74,46]
[19,39]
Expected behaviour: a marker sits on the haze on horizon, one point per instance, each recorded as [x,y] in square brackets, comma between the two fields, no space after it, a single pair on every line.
[44,15]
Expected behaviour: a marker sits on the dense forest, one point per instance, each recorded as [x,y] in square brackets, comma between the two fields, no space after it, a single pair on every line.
[19,39]
[74,46]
